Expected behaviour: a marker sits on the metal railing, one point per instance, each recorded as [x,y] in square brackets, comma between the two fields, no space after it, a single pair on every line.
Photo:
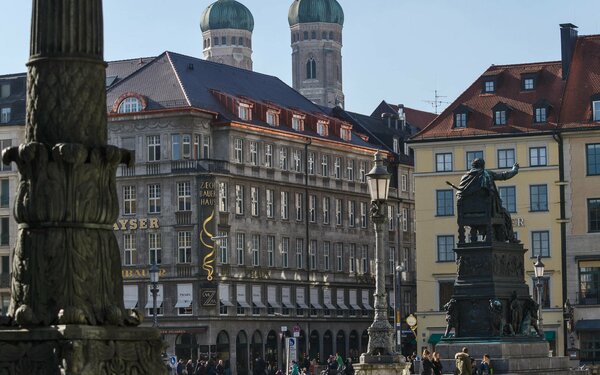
[174,166]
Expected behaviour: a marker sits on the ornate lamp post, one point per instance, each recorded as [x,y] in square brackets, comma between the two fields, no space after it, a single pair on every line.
[380,348]
[538,267]
[154,271]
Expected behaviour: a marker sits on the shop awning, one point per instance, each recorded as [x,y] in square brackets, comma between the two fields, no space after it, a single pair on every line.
[434,338]
[159,297]
[130,296]
[365,300]
[550,335]
[300,300]
[257,296]
[588,325]
[314,299]
[184,296]
[241,296]
[272,297]
[224,295]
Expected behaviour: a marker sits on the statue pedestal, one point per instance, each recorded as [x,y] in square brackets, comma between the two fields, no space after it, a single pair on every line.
[81,350]
[400,367]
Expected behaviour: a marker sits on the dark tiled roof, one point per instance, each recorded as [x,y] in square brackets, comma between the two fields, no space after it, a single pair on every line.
[119,70]
[414,117]
[549,87]
[582,84]
[16,99]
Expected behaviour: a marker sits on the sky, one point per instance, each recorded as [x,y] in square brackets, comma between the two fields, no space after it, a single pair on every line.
[400,51]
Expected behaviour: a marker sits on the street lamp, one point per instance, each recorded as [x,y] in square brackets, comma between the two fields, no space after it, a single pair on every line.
[538,268]
[154,271]
[397,306]
[380,332]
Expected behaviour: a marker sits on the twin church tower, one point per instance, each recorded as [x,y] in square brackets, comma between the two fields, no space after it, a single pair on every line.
[316,40]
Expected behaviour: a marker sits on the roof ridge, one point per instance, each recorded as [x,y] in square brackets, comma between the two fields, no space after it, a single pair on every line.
[185,94]
[523,64]
[133,59]
[137,71]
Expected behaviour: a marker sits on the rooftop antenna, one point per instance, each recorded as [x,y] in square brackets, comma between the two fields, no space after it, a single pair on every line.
[436,103]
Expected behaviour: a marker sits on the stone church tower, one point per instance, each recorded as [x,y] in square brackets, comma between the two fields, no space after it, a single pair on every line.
[227,33]
[316,27]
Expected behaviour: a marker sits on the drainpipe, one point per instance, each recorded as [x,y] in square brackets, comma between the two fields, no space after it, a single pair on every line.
[563,227]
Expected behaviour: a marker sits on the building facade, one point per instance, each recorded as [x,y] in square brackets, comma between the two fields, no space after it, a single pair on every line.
[316,41]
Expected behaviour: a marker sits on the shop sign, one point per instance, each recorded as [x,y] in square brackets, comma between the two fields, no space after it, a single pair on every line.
[134,224]
[136,273]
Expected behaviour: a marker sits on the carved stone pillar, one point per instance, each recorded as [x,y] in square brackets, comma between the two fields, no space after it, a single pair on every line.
[66,313]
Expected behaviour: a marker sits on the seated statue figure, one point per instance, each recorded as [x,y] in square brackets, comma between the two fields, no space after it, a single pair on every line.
[479,181]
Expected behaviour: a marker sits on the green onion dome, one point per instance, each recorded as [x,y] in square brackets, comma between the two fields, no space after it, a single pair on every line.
[305,11]
[226,14]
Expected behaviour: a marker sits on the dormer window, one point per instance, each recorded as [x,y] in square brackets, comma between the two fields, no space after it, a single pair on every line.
[129,105]
[595,99]
[298,123]
[489,86]
[345,134]
[244,111]
[396,145]
[540,111]
[5,90]
[461,116]
[322,128]
[500,113]
[5,115]
[272,117]
[528,81]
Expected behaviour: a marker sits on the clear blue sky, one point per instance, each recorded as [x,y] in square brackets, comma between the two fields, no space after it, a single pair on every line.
[397,50]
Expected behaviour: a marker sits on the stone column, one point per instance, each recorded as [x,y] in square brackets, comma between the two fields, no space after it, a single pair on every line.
[66,313]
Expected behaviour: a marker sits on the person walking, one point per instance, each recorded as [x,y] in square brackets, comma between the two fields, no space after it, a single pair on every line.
[349,368]
[485,367]
[463,362]
[437,364]
[294,370]
[427,364]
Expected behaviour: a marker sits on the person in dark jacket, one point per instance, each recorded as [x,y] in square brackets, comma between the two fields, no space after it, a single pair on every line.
[220,369]
[349,370]
[427,363]
[437,364]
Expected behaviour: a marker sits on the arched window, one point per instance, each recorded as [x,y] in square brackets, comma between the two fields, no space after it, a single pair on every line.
[241,41]
[331,35]
[324,35]
[224,40]
[311,69]
[130,104]
[233,40]
[306,35]
[313,35]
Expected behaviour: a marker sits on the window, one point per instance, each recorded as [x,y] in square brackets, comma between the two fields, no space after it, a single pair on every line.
[254,201]
[338,212]
[537,156]
[312,253]
[325,166]
[500,117]
[396,145]
[311,163]
[363,214]
[593,159]
[240,244]
[541,114]
[391,260]
[4,232]
[538,197]
[352,258]
[298,123]
[364,259]
[446,290]
[270,195]
[129,200]
[244,112]
[506,158]
[153,147]
[239,150]
[589,342]
[271,251]
[299,252]
[4,193]
[311,68]
[445,245]
[312,208]
[129,105]
[196,150]
[4,115]
[339,255]
[337,167]
[181,146]
[223,247]
[285,199]
[508,195]
[129,252]
[322,128]
[528,83]
[545,291]
[256,250]
[283,158]
[239,199]
[345,134]
[5,90]
[350,170]
[272,118]
[154,248]
[489,86]
[405,219]
[184,247]
[285,251]
[596,110]
[443,162]
[406,258]
[593,207]
[269,156]
[4,143]
[253,153]
[472,155]
[390,216]
[351,214]
[326,209]
[184,196]
[297,156]
[589,282]
[223,191]
[326,249]
[540,244]
[299,200]
[206,146]
[445,202]
[363,171]
[460,120]
[154,198]
[404,182]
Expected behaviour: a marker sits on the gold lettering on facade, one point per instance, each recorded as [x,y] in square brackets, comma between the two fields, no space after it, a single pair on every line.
[131,273]
[123,223]
[153,223]
[143,223]
[134,224]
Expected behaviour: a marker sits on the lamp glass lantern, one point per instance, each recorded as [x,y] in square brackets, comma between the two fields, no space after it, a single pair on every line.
[378,180]
[154,271]
[538,267]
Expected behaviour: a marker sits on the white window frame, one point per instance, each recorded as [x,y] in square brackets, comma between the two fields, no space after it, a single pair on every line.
[270,203]
[154,248]
[154,198]
[285,252]
[363,214]
[153,147]
[269,155]
[129,200]
[244,111]
[5,115]
[299,204]
[325,165]
[299,253]
[326,210]
[184,247]
[337,167]
[350,170]
[311,163]
[285,200]
[240,247]
[223,198]
[184,196]
[338,212]
[270,251]
[223,244]
[326,255]
[254,204]
[238,150]
[239,199]
[129,249]
[312,208]
[254,153]
[283,158]
[351,213]
[297,156]
[256,250]
[339,256]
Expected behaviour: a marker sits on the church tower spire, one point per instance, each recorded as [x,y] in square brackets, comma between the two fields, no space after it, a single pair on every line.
[316,40]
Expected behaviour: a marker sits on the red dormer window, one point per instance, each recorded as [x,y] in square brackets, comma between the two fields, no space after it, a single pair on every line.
[595,99]
[245,111]
[272,117]
[322,128]
[298,122]
[345,133]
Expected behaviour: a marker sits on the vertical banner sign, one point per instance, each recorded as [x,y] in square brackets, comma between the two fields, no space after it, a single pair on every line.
[291,351]
[206,216]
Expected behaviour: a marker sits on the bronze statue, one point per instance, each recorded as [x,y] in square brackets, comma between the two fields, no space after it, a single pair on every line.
[497,321]
[451,316]
[480,206]
[516,312]
[530,317]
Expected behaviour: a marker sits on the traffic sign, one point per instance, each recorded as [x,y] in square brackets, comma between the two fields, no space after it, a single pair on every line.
[173,360]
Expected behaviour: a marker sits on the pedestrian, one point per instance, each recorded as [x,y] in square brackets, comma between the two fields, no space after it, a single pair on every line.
[427,364]
[349,368]
[412,360]
[463,362]
[189,367]
[220,369]
[180,367]
[437,364]
[485,367]
[340,362]
[294,370]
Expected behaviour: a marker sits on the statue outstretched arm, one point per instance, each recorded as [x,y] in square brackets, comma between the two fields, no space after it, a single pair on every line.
[506,175]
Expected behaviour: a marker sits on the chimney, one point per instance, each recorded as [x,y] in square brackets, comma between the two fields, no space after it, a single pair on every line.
[568,37]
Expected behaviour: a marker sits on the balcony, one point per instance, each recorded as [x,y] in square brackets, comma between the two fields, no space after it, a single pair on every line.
[183,217]
[588,298]
[174,166]
[184,270]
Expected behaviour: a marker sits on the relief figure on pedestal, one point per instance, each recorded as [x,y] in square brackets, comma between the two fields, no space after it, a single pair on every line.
[451,309]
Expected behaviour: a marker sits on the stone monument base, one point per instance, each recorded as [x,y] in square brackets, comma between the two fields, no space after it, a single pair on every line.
[511,355]
[81,350]
[400,367]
